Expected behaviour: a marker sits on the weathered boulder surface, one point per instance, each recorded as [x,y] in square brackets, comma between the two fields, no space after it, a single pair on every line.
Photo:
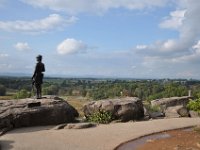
[124,109]
[176,112]
[35,112]
[194,114]
[80,125]
[172,101]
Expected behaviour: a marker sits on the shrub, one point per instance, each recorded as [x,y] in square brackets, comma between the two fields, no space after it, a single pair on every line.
[22,94]
[194,105]
[103,117]
[153,108]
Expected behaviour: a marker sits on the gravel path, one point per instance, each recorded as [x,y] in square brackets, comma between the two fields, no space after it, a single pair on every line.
[102,137]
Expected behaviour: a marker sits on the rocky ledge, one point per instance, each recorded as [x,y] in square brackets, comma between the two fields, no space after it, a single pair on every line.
[35,112]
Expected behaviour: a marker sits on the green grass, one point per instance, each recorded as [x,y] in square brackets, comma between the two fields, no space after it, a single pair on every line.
[7,97]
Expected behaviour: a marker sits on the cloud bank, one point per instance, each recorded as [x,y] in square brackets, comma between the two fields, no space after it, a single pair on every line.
[175,20]
[53,21]
[186,22]
[94,6]
[3,55]
[22,46]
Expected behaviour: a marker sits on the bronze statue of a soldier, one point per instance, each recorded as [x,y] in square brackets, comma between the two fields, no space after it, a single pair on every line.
[38,76]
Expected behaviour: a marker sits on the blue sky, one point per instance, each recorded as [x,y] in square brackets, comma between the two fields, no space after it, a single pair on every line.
[106,38]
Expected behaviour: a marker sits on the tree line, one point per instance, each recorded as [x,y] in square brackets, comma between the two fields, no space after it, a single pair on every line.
[97,89]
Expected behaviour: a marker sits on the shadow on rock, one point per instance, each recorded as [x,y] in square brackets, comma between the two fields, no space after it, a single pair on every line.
[6,144]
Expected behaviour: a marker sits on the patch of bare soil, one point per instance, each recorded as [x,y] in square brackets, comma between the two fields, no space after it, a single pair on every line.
[179,140]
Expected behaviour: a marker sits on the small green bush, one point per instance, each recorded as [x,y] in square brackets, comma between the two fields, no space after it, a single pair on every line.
[153,108]
[103,117]
[194,105]
[22,94]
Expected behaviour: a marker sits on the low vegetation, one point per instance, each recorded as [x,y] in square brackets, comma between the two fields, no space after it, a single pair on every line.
[194,105]
[22,94]
[153,108]
[102,117]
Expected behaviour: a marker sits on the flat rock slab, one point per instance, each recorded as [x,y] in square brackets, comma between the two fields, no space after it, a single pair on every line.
[102,137]
[171,101]
[79,125]
[75,126]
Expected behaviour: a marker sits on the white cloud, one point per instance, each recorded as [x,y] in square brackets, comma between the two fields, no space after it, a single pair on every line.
[169,45]
[2,55]
[5,66]
[141,46]
[71,46]
[22,46]
[197,46]
[193,56]
[175,20]
[178,57]
[188,32]
[53,21]
[94,6]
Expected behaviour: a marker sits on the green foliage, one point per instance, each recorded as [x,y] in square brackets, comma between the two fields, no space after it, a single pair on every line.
[22,94]
[168,89]
[51,90]
[2,90]
[103,117]
[99,94]
[194,105]
[96,89]
[153,108]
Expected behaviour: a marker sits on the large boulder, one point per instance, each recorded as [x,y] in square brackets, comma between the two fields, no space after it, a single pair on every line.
[164,103]
[35,112]
[124,109]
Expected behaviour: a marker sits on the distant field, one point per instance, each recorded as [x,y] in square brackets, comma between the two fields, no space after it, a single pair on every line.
[77,102]
[6,97]
[9,95]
